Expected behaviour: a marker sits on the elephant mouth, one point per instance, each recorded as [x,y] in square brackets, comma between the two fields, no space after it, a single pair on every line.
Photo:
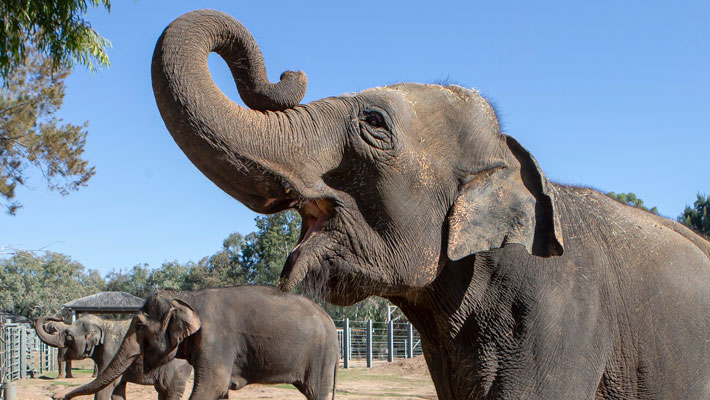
[314,214]
[89,350]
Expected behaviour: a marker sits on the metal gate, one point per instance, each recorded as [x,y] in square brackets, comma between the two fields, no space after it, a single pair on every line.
[22,354]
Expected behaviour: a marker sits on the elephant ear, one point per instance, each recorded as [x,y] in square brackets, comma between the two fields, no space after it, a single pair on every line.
[181,322]
[505,204]
[96,336]
[94,339]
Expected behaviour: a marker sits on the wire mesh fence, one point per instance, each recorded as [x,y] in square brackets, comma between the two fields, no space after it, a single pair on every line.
[376,341]
[22,354]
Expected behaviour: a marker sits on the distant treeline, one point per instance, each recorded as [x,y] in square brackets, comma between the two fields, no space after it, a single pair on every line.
[34,285]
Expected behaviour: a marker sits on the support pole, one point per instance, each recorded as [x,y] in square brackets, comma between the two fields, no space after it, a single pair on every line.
[390,341]
[346,343]
[23,353]
[369,343]
[410,340]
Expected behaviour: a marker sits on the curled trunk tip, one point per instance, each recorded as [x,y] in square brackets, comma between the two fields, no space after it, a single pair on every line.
[53,339]
[202,31]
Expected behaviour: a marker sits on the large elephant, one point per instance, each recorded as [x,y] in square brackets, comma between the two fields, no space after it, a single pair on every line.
[232,337]
[63,363]
[99,339]
[520,288]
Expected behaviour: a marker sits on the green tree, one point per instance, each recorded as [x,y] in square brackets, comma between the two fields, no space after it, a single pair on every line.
[35,286]
[698,216]
[222,269]
[265,250]
[170,275]
[134,281]
[30,134]
[631,200]
[373,307]
[55,28]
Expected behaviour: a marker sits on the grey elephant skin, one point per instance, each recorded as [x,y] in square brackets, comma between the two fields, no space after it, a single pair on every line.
[99,339]
[232,337]
[63,364]
[520,288]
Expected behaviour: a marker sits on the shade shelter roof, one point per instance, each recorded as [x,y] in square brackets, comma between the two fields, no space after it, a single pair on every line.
[106,302]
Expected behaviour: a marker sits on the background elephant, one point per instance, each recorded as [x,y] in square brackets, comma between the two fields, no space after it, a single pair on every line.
[520,288]
[63,364]
[99,339]
[232,337]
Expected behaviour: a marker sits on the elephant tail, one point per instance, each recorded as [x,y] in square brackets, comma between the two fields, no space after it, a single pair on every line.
[335,375]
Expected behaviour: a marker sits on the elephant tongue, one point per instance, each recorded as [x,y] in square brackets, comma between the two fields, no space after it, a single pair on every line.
[313,215]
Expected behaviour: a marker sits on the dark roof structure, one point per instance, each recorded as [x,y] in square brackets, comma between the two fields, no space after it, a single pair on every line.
[106,303]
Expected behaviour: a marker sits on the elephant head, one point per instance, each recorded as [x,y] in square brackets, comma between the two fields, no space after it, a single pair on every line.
[154,333]
[391,183]
[78,340]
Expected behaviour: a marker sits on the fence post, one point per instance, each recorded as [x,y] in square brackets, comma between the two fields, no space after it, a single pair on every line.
[42,358]
[50,359]
[410,340]
[369,343]
[346,343]
[23,353]
[390,341]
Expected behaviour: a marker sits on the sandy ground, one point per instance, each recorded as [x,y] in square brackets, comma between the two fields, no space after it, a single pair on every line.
[402,379]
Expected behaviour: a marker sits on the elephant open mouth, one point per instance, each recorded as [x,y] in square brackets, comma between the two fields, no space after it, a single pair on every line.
[314,214]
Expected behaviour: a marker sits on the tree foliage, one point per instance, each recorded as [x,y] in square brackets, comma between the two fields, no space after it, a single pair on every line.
[265,250]
[222,269]
[631,200]
[698,216]
[134,281]
[31,135]
[34,286]
[254,259]
[55,28]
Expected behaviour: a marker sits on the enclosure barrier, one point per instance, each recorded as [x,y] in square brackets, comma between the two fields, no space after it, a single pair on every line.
[22,354]
[375,340]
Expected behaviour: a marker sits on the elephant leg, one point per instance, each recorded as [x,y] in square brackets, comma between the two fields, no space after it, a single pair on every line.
[96,371]
[317,385]
[172,391]
[119,392]
[211,384]
[60,367]
[313,391]
[67,367]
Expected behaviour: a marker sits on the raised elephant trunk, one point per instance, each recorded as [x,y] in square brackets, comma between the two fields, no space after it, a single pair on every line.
[126,355]
[247,153]
[55,339]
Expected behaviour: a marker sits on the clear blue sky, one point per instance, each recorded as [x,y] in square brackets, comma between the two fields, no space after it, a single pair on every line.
[613,95]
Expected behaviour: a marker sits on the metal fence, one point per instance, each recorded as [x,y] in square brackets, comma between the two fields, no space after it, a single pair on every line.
[22,354]
[375,340]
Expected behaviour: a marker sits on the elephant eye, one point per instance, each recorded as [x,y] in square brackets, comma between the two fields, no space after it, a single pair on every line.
[69,338]
[374,119]
[374,129]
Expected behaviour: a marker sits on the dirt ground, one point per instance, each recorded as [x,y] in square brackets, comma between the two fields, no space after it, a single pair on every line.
[402,379]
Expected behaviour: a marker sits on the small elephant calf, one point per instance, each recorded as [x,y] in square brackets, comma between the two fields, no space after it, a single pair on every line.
[232,337]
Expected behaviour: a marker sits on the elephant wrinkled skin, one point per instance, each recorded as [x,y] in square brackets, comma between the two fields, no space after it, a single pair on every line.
[232,337]
[520,288]
[99,339]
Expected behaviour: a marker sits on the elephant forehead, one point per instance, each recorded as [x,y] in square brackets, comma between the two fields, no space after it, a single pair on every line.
[434,99]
